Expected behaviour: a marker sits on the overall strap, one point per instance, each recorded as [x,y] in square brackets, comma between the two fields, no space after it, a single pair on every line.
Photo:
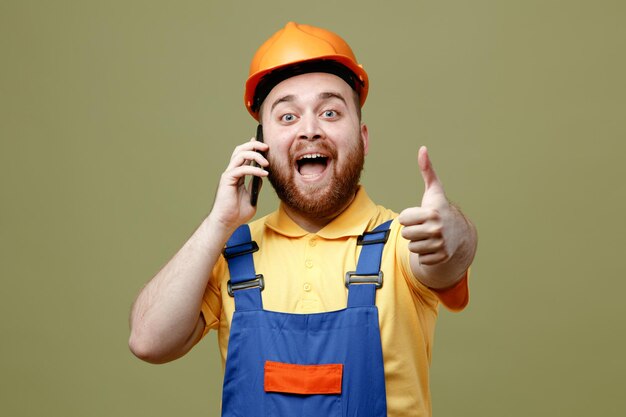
[245,285]
[363,283]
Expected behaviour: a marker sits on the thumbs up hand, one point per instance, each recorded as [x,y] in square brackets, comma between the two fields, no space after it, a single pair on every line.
[442,242]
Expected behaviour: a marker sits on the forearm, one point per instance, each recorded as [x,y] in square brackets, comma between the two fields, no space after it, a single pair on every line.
[164,318]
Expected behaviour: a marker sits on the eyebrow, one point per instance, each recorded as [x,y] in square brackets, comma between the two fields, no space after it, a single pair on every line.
[287,98]
[330,94]
[324,96]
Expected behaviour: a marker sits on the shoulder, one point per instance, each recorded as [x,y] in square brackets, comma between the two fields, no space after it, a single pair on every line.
[381,215]
[259,227]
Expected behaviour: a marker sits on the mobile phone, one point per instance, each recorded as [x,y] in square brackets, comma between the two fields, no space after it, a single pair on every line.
[256,181]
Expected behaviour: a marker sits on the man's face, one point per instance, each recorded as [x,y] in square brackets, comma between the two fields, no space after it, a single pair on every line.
[317,144]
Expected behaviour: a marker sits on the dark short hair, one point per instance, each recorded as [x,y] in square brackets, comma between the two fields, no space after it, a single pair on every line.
[272,79]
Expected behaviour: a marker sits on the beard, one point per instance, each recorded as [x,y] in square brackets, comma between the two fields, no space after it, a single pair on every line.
[319,201]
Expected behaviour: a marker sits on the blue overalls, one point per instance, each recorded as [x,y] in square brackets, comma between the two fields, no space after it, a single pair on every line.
[304,365]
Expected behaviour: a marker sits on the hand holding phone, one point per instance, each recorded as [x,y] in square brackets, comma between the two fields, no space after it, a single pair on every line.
[256,181]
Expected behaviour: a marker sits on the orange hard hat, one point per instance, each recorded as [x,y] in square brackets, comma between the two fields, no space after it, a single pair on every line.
[295,45]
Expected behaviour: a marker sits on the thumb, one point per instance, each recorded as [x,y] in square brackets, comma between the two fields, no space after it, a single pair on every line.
[431,181]
[434,196]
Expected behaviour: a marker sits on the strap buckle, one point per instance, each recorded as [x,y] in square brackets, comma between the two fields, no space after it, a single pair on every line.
[363,239]
[238,250]
[256,282]
[353,278]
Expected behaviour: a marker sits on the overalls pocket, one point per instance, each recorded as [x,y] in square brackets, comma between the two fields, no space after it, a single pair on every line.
[308,390]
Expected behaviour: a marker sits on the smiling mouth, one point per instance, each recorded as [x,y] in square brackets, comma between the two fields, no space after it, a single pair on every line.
[312,164]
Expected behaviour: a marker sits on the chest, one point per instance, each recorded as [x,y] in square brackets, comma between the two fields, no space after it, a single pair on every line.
[306,275]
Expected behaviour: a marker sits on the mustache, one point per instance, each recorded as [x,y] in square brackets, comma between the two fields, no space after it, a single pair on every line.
[300,148]
[320,146]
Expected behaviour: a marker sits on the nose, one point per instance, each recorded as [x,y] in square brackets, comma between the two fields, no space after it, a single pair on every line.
[310,129]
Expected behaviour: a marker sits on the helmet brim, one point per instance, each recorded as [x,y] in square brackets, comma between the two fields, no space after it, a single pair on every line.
[253,81]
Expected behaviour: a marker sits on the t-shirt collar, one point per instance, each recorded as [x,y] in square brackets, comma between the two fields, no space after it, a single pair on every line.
[352,221]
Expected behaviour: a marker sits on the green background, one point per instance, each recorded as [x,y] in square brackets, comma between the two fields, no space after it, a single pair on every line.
[117,118]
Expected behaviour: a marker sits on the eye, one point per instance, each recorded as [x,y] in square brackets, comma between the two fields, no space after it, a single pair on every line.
[287,118]
[330,114]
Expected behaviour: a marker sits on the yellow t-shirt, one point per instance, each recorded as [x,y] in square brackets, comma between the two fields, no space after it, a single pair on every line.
[304,273]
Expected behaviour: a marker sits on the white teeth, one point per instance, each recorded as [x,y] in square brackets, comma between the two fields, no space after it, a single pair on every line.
[312,155]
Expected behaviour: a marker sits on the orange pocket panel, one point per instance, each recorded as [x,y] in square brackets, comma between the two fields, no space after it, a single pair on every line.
[303,379]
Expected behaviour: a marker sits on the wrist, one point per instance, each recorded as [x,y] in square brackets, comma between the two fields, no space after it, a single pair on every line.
[217,227]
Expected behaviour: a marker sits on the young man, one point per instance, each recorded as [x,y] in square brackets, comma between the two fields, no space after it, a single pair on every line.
[317,313]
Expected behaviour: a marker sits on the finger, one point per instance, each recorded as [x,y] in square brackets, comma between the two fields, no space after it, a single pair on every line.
[426,168]
[432,258]
[427,247]
[246,157]
[251,145]
[417,215]
[422,232]
[236,175]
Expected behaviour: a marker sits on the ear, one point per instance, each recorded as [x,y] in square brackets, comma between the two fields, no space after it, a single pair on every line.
[365,137]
